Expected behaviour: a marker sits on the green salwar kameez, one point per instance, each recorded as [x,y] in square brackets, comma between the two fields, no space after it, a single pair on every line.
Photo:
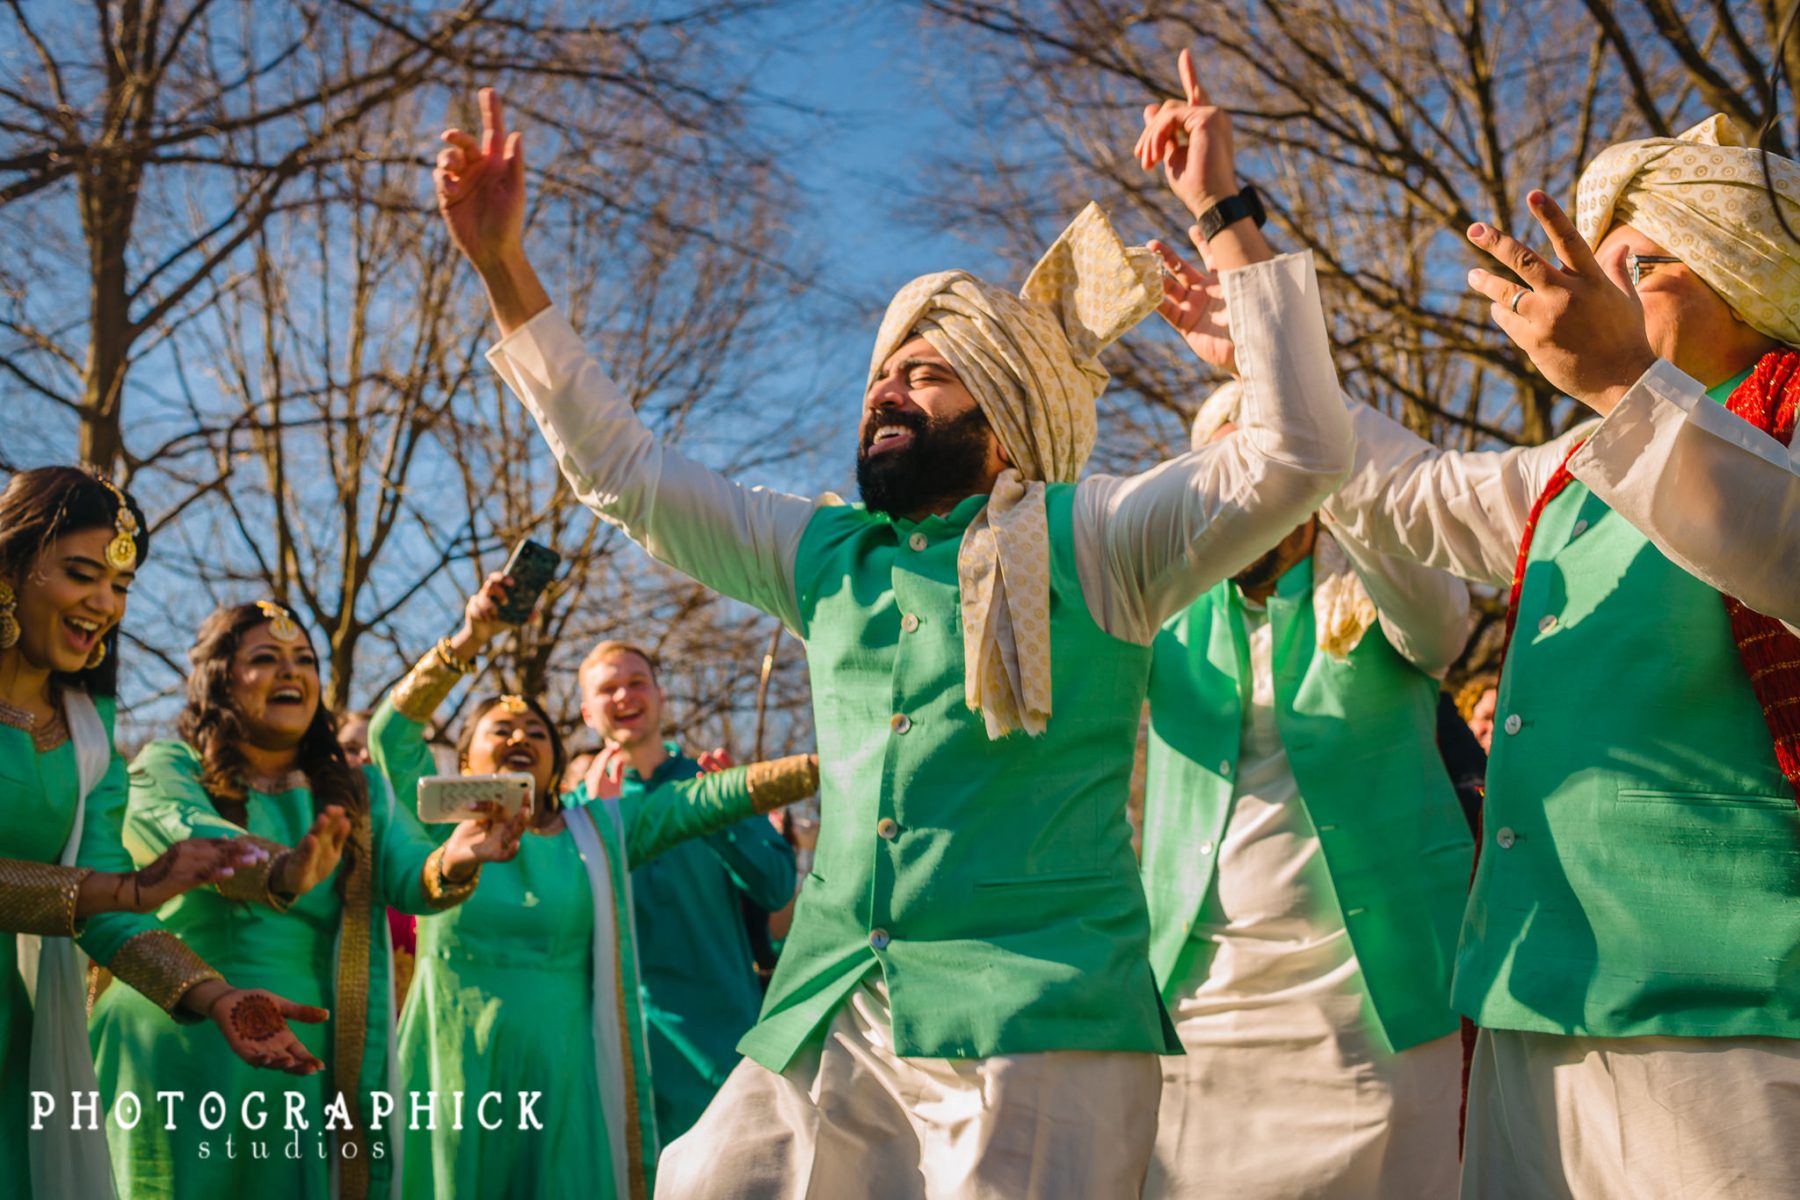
[292,953]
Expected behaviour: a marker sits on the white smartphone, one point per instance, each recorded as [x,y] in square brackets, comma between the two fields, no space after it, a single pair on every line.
[446,799]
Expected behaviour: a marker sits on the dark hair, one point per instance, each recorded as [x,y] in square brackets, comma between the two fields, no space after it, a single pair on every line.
[212,725]
[559,754]
[45,503]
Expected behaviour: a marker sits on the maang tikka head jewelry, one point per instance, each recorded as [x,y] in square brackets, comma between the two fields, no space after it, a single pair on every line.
[281,622]
[122,551]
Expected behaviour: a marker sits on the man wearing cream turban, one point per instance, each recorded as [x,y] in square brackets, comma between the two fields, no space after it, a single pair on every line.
[964,1005]
[1293,745]
[1630,943]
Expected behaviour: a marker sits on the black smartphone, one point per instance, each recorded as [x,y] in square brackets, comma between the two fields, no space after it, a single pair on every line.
[531,569]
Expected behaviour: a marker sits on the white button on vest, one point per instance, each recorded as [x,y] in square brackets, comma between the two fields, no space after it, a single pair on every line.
[887,829]
[1547,623]
[1580,528]
[901,723]
[1206,847]
[1505,838]
[879,939]
[916,541]
[1514,724]
[1225,767]
[909,623]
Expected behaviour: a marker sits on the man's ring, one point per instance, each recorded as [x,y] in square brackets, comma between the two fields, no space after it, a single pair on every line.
[1517,296]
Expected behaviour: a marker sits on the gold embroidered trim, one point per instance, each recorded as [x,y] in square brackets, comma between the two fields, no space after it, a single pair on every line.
[442,892]
[425,687]
[45,737]
[159,964]
[634,1118]
[781,781]
[37,897]
[351,1018]
[252,885]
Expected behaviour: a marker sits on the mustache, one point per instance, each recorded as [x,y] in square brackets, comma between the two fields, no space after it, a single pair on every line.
[913,422]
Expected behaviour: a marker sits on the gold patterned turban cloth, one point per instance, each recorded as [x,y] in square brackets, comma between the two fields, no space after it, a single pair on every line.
[1032,363]
[1702,197]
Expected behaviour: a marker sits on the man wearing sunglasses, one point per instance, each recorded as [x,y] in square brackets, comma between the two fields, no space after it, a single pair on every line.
[1631,948]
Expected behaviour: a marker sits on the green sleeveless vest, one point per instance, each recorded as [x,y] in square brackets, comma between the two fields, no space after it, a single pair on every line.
[1361,738]
[1640,872]
[992,883]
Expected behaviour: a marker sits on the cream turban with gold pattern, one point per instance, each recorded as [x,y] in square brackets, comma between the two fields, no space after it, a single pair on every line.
[1032,363]
[1701,196]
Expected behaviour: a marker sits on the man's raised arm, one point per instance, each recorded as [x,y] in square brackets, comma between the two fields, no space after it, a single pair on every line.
[1148,544]
[738,541]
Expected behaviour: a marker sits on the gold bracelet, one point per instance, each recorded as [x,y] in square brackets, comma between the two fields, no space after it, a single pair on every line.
[256,884]
[440,890]
[462,666]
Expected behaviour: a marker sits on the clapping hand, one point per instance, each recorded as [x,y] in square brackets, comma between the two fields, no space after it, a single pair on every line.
[315,856]
[1194,303]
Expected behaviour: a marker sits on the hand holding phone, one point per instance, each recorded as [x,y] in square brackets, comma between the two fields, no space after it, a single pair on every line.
[448,799]
[530,570]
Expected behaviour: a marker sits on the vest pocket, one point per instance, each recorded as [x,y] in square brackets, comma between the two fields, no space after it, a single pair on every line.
[1706,799]
[1043,879]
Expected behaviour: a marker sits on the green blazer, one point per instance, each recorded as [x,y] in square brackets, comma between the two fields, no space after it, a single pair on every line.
[1360,734]
[991,883]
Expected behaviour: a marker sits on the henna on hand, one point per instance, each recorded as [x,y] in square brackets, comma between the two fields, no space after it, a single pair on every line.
[255,1018]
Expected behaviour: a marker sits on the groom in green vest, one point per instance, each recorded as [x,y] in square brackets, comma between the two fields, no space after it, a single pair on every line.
[1306,860]
[965,1004]
[1631,949]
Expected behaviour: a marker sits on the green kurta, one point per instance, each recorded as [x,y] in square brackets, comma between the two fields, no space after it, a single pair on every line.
[293,954]
[40,791]
[502,997]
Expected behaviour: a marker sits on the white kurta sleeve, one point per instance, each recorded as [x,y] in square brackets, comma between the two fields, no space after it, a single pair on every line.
[1462,512]
[1146,545]
[1714,493]
[1424,613]
[736,540]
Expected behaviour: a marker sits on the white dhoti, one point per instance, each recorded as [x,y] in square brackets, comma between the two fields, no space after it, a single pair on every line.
[1288,1090]
[852,1118]
[1647,1118]
[1321,1118]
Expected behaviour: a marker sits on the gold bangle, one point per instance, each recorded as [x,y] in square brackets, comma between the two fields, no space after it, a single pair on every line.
[462,666]
[441,891]
[256,885]
[781,781]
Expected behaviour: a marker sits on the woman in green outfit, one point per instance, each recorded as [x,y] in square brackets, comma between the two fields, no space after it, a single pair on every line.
[259,756]
[532,986]
[70,547]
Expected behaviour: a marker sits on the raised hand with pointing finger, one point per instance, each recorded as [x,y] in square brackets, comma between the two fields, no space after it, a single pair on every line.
[1191,140]
[480,185]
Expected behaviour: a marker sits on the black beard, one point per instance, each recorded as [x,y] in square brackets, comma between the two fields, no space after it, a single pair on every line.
[946,461]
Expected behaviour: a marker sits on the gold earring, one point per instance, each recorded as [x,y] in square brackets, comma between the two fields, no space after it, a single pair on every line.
[9,623]
[97,655]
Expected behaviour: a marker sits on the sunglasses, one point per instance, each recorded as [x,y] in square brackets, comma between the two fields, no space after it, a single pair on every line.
[1636,264]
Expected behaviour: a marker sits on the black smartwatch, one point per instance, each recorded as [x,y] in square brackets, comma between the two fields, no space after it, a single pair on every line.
[1232,208]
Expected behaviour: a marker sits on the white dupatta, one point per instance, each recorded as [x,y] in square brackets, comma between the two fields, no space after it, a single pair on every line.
[67,1161]
[611,1038]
